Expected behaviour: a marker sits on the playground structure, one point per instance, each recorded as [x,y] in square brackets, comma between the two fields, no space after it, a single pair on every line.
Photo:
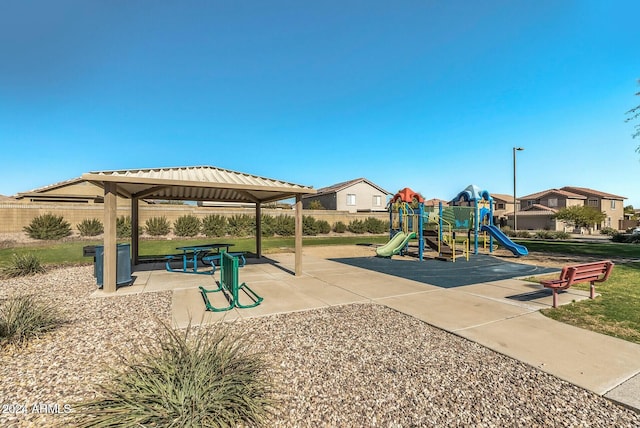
[470,215]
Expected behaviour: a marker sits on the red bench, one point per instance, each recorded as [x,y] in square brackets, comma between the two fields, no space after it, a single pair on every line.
[587,272]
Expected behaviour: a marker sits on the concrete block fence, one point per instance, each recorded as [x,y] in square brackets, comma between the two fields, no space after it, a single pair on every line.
[15,216]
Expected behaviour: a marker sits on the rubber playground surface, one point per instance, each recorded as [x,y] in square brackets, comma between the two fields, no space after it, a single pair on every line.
[479,268]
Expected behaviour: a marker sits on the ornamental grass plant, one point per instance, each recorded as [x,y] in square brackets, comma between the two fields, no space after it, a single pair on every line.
[22,264]
[205,377]
[23,317]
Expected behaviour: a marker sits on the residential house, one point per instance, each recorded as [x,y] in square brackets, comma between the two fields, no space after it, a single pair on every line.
[537,210]
[502,204]
[611,205]
[359,195]
[76,190]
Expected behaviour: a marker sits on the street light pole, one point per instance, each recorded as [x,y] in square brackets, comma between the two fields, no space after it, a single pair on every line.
[515,205]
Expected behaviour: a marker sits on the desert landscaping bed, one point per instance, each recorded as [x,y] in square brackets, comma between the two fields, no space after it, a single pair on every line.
[353,365]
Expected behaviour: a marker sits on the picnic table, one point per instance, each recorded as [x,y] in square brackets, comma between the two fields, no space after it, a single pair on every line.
[192,254]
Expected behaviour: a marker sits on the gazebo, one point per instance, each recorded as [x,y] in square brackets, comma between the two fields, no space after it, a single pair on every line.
[196,183]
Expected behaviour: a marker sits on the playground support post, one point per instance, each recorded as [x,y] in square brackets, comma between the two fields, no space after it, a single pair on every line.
[420,229]
[515,205]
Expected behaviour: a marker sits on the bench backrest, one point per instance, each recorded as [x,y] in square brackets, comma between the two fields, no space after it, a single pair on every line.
[587,272]
[229,271]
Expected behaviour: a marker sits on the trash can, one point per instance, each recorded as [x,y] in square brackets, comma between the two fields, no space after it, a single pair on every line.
[123,264]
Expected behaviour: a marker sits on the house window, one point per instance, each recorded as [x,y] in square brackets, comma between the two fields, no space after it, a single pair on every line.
[500,206]
[351,199]
[553,202]
[529,203]
[592,202]
[613,204]
[377,200]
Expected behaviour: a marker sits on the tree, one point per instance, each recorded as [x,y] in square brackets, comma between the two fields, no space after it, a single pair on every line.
[634,114]
[580,216]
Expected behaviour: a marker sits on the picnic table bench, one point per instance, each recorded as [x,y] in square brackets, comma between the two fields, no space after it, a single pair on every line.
[212,258]
[192,255]
[230,285]
[586,272]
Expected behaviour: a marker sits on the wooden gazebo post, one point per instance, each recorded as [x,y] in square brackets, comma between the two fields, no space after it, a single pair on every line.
[298,239]
[110,238]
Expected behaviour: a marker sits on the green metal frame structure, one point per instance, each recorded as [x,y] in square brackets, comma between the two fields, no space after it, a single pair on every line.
[230,285]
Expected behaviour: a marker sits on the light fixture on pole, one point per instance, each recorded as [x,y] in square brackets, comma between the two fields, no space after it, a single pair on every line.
[515,204]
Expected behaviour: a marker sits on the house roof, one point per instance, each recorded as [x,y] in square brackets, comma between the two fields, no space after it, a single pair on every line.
[197,183]
[43,193]
[561,192]
[591,192]
[534,210]
[502,197]
[539,207]
[434,202]
[334,188]
[53,186]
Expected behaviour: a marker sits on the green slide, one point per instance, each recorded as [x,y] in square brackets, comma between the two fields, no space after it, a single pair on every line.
[396,244]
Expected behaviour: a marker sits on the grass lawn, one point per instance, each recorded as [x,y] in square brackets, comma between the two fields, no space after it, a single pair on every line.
[616,313]
[66,253]
[605,249]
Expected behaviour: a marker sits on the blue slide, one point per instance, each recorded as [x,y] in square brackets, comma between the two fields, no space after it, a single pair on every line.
[517,249]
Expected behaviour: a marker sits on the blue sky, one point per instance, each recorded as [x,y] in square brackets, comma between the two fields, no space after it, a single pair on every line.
[430,95]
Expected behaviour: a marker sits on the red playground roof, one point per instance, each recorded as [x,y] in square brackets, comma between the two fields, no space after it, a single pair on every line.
[407,195]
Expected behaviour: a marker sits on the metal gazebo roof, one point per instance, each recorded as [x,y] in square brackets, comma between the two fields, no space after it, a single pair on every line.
[197,183]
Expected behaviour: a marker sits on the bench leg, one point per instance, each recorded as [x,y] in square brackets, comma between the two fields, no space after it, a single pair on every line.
[209,306]
[555,297]
[168,261]
[592,291]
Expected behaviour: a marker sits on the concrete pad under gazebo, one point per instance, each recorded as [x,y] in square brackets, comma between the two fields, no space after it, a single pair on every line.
[197,183]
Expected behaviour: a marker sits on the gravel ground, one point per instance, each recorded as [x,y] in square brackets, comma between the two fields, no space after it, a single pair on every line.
[353,365]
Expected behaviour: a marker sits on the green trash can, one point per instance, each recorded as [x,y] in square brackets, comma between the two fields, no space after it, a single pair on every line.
[123,264]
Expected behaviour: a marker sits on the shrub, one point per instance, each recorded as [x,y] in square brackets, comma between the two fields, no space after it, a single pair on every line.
[157,226]
[90,227]
[241,225]
[544,234]
[523,234]
[23,317]
[309,227]
[626,238]
[214,225]
[609,231]
[206,378]
[315,205]
[374,225]
[619,237]
[508,231]
[187,225]
[284,225]
[357,226]
[123,227]
[268,225]
[323,226]
[48,226]
[339,227]
[547,234]
[22,265]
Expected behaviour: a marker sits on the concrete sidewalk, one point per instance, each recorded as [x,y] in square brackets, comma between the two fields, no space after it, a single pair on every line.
[501,315]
